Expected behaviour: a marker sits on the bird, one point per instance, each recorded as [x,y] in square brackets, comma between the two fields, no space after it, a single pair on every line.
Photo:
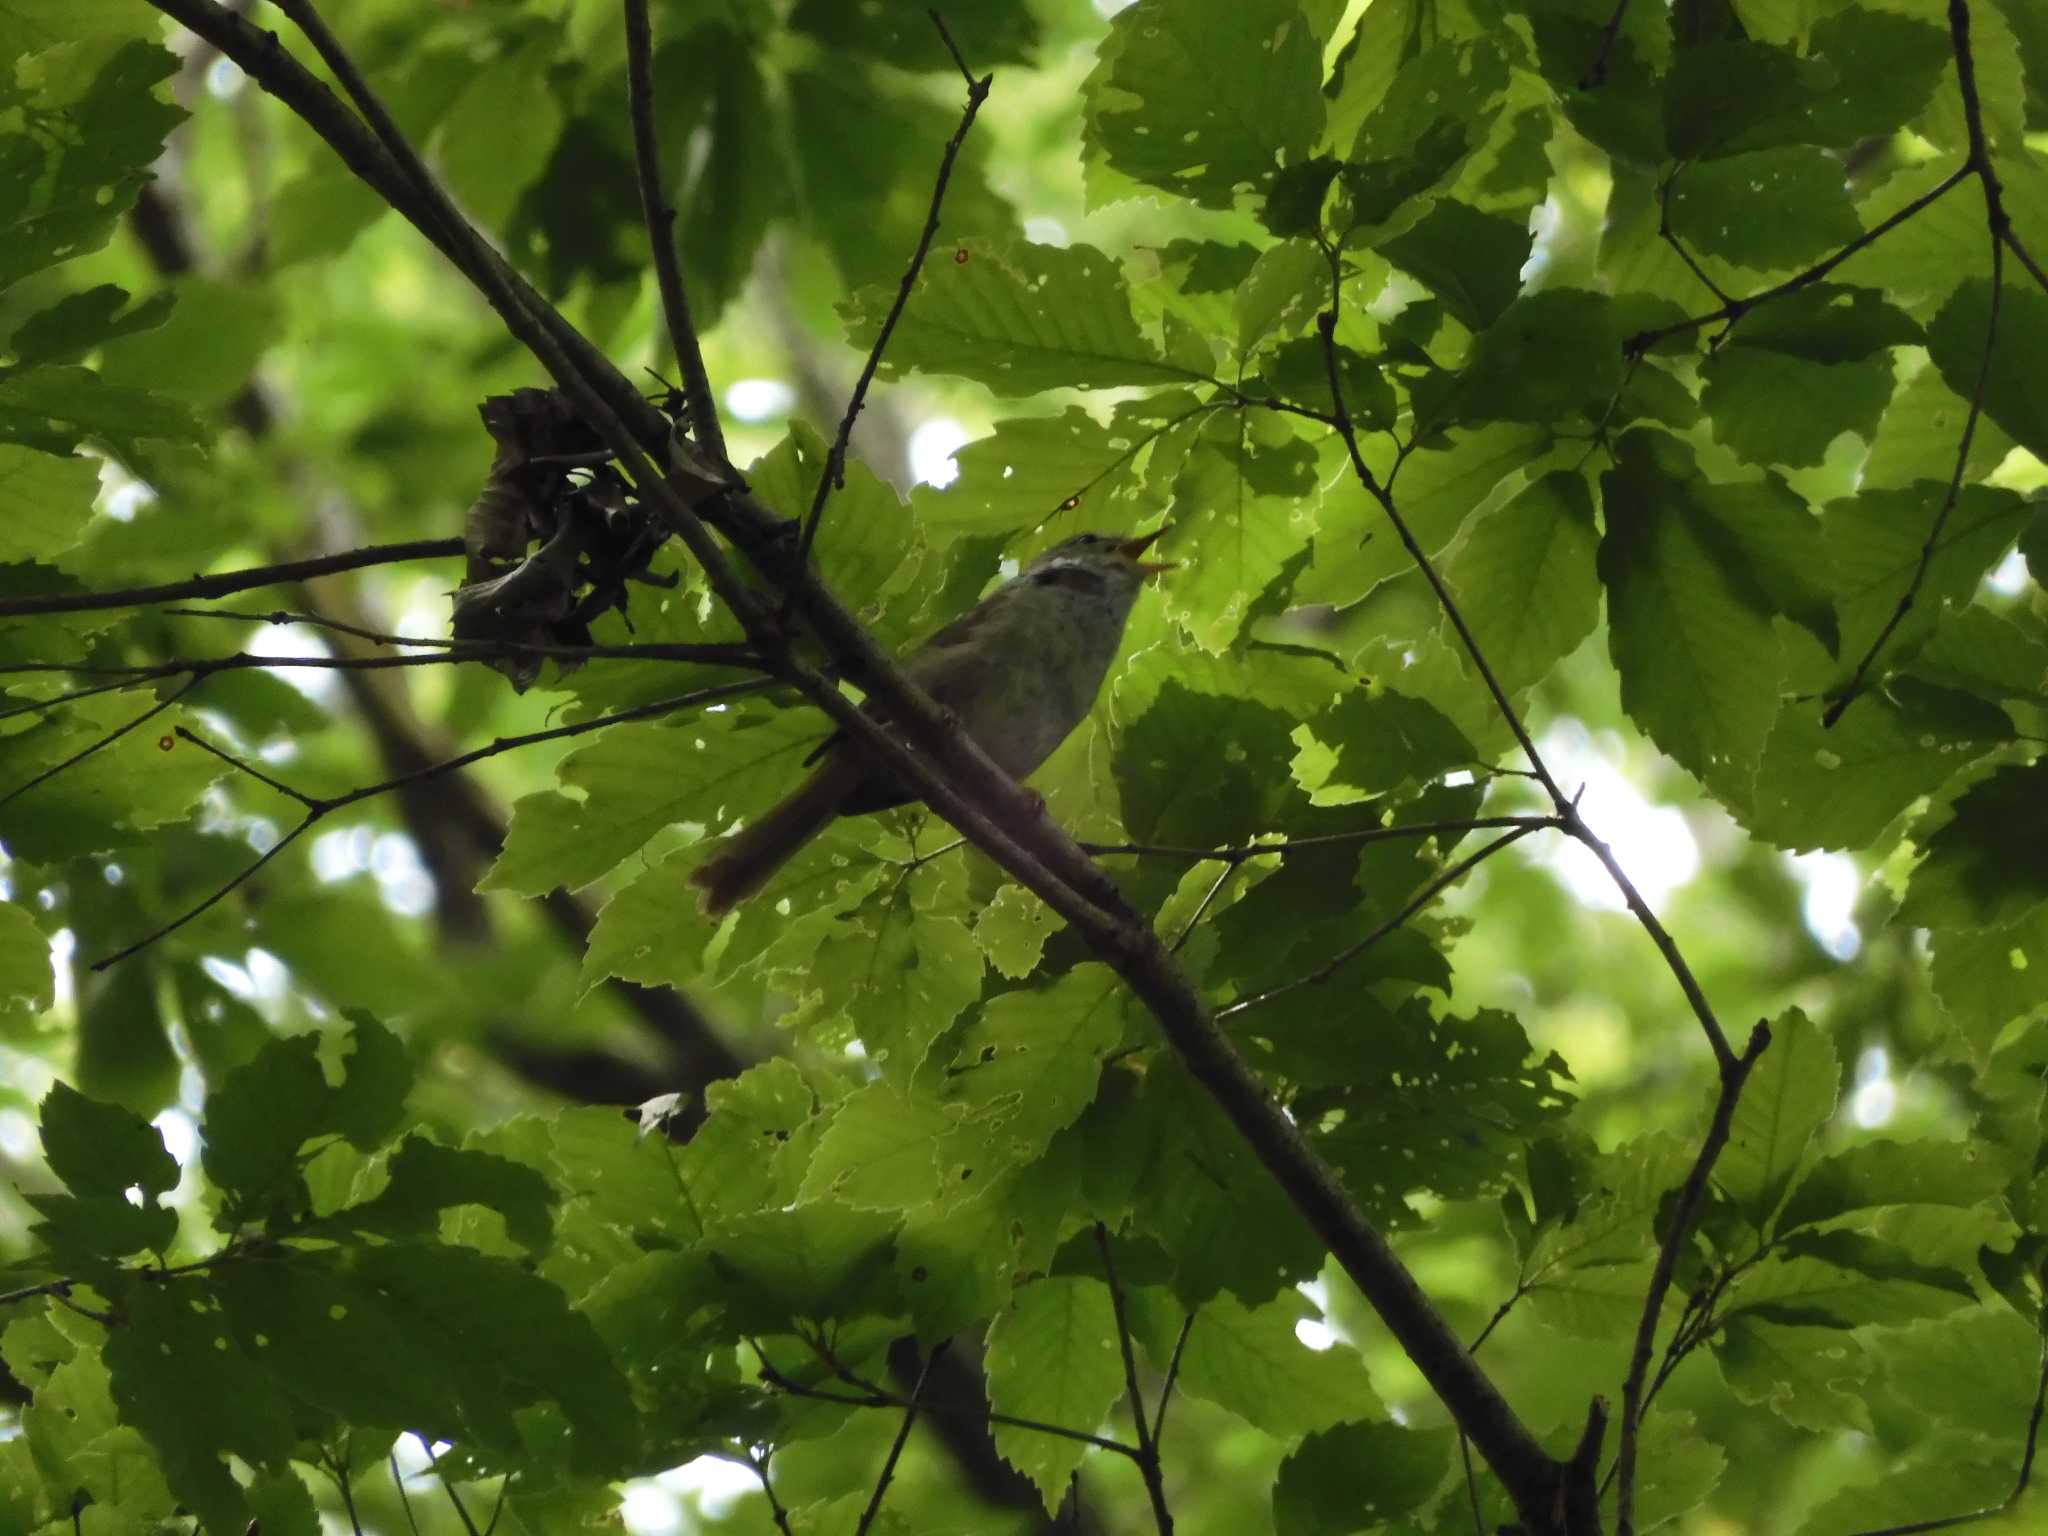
[1019,670]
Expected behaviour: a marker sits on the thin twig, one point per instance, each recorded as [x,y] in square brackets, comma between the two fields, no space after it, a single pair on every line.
[337,1468]
[1351,952]
[398,1482]
[711,653]
[661,234]
[775,1510]
[2024,257]
[874,1505]
[1733,1078]
[834,474]
[1202,908]
[1595,74]
[99,743]
[1670,238]
[877,1398]
[1243,852]
[229,582]
[1979,164]
[1148,1449]
[318,809]
[1735,309]
[1187,1325]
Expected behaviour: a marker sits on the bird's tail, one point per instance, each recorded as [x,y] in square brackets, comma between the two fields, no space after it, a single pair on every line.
[752,855]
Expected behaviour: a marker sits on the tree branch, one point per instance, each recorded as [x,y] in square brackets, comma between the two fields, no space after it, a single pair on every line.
[661,237]
[1148,1452]
[1429,892]
[318,809]
[229,582]
[1734,1077]
[834,475]
[874,1504]
[1979,164]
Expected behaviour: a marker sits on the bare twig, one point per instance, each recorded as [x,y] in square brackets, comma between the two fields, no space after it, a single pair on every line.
[1596,69]
[1734,1077]
[834,475]
[661,238]
[1244,852]
[1345,956]
[759,1462]
[1148,1449]
[711,654]
[99,743]
[229,582]
[1180,1343]
[1735,309]
[1979,164]
[318,809]
[874,1504]
[875,1397]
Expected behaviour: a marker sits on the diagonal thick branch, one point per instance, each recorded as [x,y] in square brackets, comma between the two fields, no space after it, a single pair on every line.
[925,746]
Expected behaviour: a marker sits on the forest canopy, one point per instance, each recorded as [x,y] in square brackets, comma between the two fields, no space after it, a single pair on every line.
[1523,1006]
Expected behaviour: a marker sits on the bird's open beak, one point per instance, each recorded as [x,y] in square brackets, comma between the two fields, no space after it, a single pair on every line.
[1133,548]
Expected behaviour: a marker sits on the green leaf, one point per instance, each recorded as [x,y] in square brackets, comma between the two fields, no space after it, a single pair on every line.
[2014,394]
[1988,977]
[1549,356]
[1688,628]
[1175,793]
[1767,210]
[1469,259]
[989,32]
[77,323]
[27,981]
[427,1179]
[1024,1069]
[1012,929]
[905,971]
[180,1377]
[1206,97]
[1809,1377]
[501,1339]
[64,188]
[1359,1477]
[497,136]
[880,1151]
[1680,1467]
[1017,317]
[740,764]
[265,1110]
[1873,542]
[1773,408]
[1053,1356]
[1383,741]
[97,1149]
[1988,864]
[207,349]
[1252,1362]
[1724,97]
[813,1261]
[1790,1095]
[57,408]
[1524,577]
[1839,788]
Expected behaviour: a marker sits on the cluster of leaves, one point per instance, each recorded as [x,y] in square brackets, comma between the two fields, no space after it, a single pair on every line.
[1673,422]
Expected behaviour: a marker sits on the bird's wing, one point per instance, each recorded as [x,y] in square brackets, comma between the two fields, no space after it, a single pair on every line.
[942,666]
